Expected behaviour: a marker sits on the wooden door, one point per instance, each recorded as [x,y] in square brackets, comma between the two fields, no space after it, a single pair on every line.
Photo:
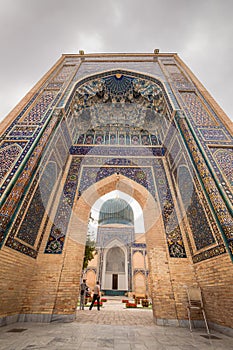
[114,281]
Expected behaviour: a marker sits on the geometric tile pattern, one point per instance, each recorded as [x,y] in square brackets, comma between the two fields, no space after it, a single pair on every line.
[219,206]
[21,137]
[13,199]
[172,228]
[116,151]
[36,114]
[181,82]
[208,128]
[143,176]
[31,223]
[26,228]
[211,134]
[209,253]
[30,131]
[8,156]
[61,150]
[214,250]
[207,209]
[174,151]
[105,235]
[61,77]
[64,210]
[214,136]
[223,172]
[139,137]
[23,131]
[32,118]
[139,247]
[10,166]
[12,242]
[91,175]
[64,73]
[224,159]
[198,111]
[197,218]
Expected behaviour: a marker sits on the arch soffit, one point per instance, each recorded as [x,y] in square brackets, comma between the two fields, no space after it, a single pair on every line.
[115,243]
[109,184]
[133,73]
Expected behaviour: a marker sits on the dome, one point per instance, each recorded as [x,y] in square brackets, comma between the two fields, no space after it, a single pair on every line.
[116,211]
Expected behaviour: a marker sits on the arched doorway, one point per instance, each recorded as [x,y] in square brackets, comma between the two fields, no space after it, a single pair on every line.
[116,222]
[155,239]
[115,276]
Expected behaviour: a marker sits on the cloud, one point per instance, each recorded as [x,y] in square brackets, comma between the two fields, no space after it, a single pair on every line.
[34,34]
[91,41]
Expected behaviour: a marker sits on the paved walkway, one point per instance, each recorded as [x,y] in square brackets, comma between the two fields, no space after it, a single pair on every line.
[114,312]
[113,327]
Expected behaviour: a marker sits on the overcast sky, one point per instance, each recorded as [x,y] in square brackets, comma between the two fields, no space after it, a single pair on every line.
[34,34]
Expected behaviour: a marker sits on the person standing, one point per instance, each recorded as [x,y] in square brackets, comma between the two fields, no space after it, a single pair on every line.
[83,291]
[96,296]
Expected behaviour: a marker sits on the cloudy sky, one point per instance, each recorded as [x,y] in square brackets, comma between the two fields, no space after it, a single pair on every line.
[34,34]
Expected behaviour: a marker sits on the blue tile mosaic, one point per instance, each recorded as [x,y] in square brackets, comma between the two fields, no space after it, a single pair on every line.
[93,174]
[16,194]
[196,215]
[199,113]
[221,210]
[26,228]
[211,134]
[106,235]
[58,230]
[224,160]
[180,80]
[8,155]
[118,151]
[172,228]
[130,161]
[29,122]
[22,131]
[71,90]
[31,223]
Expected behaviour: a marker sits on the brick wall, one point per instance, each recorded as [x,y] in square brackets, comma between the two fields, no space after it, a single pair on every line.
[15,276]
[215,277]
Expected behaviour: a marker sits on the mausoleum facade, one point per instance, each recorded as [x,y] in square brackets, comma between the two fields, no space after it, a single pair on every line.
[141,124]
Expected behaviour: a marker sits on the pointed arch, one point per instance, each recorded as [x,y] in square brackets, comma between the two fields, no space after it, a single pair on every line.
[169,96]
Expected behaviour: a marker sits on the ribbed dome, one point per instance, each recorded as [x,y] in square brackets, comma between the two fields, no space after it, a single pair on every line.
[116,211]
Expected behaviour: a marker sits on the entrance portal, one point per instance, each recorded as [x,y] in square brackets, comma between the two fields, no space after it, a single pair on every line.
[139,124]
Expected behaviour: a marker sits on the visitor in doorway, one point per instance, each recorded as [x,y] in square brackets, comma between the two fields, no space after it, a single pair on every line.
[83,292]
[96,296]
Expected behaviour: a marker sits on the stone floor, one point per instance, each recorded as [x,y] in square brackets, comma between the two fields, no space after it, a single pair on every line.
[113,327]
